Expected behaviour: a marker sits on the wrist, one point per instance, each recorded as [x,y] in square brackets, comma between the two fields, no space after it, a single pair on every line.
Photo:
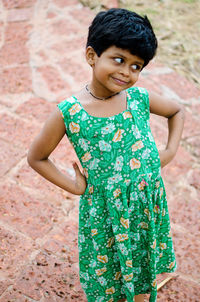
[71,186]
[171,151]
[78,187]
[166,156]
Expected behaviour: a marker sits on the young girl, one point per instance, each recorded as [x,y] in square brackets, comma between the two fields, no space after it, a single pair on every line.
[124,228]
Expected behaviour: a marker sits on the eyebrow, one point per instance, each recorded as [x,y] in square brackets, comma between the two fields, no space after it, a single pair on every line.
[136,62]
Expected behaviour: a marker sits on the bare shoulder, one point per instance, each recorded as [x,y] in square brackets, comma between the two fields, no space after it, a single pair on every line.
[55,122]
[53,129]
[163,106]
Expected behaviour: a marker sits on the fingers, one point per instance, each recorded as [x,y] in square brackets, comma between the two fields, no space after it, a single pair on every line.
[76,168]
[74,164]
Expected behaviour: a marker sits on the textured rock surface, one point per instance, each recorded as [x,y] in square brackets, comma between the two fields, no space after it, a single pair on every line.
[42,62]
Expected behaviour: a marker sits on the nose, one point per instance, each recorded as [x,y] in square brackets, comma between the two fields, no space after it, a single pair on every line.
[125,71]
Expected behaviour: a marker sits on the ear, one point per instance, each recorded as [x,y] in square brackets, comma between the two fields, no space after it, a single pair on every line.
[90,55]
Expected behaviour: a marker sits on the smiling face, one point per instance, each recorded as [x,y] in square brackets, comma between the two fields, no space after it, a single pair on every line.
[115,70]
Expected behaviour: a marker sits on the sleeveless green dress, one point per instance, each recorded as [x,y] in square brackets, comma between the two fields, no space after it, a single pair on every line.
[124,237]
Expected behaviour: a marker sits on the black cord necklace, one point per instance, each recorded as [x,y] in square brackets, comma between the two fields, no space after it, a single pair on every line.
[96,97]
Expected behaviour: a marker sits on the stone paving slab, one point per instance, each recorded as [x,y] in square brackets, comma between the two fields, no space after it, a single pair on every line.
[15,250]
[42,62]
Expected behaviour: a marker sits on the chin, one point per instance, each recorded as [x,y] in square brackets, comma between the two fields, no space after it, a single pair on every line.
[117,88]
[120,88]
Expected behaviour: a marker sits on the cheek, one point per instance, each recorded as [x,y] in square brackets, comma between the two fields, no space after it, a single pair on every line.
[101,72]
[135,76]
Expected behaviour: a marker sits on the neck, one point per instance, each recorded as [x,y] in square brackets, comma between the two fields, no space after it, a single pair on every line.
[95,96]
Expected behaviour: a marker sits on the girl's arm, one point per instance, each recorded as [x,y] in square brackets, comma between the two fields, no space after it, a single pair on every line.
[174,112]
[43,145]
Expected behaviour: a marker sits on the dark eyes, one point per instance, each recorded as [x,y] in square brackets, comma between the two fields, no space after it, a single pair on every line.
[133,66]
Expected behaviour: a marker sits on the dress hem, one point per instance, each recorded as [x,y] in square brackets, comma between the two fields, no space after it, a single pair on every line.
[148,292]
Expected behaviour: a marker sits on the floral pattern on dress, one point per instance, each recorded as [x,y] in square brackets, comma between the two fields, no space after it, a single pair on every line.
[124,236]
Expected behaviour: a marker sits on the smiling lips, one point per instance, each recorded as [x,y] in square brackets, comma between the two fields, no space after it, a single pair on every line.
[120,82]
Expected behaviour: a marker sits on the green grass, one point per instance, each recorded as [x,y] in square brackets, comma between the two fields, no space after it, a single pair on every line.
[186,1]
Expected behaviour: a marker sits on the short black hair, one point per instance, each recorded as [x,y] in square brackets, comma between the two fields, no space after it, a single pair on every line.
[124,29]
